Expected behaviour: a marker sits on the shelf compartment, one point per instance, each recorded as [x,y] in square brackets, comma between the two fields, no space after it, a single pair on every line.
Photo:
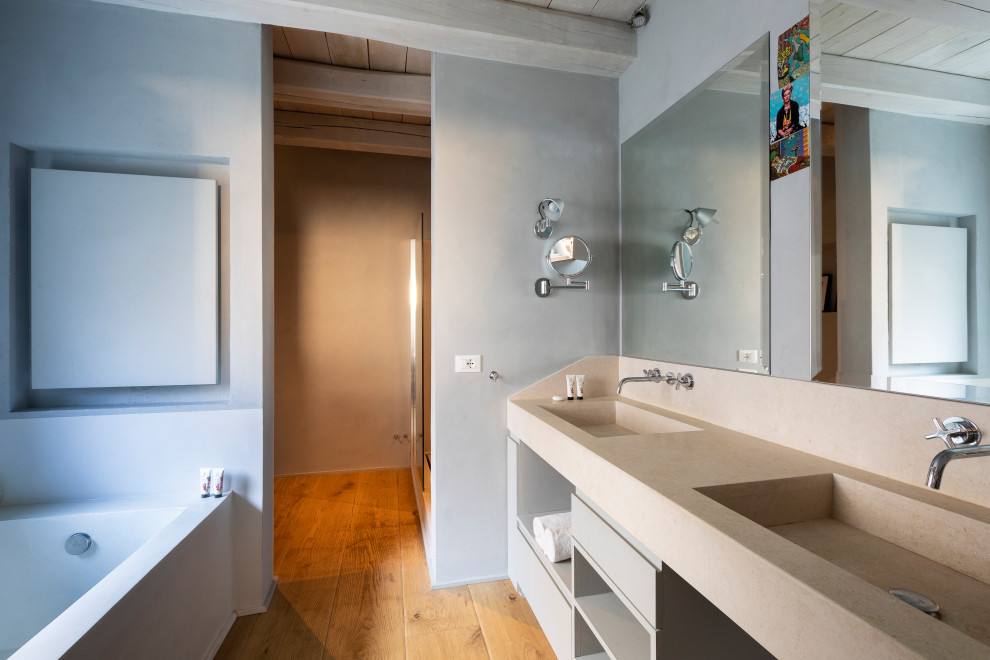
[586,645]
[633,575]
[622,632]
[559,571]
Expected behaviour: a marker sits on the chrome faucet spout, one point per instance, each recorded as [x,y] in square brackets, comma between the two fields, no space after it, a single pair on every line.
[649,375]
[944,457]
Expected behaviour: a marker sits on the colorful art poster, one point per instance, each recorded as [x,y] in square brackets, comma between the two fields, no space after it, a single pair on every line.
[790,109]
[793,53]
[789,155]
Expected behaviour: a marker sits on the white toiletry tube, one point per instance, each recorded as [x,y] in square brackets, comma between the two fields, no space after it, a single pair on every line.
[570,387]
[579,383]
[204,481]
[217,482]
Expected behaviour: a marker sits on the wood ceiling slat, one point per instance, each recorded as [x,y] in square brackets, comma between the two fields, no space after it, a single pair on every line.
[615,10]
[574,6]
[360,114]
[862,31]
[384,56]
[386,116]
[415,119]
[944,51]
[909,30]
[308,45]
[294,106]
[280,47]
[973,62]
[841,18]
[418,61]
[348,51]
[924,42]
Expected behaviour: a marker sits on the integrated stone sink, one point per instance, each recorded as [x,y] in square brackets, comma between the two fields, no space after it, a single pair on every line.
[887,539]
[609,419]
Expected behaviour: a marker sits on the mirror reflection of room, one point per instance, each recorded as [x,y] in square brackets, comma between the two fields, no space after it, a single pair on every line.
[905,209]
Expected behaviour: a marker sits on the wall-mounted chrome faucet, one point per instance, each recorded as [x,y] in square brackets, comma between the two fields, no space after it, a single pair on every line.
[656,376]
[962,440]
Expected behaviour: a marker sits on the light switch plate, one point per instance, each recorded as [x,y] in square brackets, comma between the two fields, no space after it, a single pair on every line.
[750,356]
[470,364]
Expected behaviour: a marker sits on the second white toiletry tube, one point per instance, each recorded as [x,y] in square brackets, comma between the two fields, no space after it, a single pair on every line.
[579,382]
[217,478]
[570,387]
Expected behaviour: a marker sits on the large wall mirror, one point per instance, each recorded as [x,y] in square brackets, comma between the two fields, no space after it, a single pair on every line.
[697,178]
[905,198]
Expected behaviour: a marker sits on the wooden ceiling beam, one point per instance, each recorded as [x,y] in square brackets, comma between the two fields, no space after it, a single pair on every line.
[304,129]
[903,89]
[357,89]
[486,29]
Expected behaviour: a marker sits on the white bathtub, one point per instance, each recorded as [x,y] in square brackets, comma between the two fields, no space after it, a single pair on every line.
[130,594]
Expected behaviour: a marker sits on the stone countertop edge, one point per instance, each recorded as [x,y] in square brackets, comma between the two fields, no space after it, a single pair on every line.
[794,603]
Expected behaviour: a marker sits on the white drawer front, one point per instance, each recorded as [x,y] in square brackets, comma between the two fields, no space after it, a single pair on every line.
[635,577]
[550,607]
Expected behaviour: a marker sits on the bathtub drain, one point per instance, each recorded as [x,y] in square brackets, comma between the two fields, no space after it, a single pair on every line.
[78,543]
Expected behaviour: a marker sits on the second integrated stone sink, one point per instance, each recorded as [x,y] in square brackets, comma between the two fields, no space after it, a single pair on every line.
[611,418]
[885,538]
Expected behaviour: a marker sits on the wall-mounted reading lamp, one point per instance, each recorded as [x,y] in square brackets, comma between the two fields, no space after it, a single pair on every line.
[701,217]
[550,211]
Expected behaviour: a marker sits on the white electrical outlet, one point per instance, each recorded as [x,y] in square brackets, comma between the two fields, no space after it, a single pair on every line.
[469,364]
[751,356]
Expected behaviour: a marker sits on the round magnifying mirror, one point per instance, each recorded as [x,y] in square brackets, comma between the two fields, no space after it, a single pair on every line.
[680,260]
[569,256]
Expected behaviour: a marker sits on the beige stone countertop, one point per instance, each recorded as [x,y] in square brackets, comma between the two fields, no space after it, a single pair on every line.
[792,601]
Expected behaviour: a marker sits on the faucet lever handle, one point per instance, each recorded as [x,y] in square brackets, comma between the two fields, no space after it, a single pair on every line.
[956,432]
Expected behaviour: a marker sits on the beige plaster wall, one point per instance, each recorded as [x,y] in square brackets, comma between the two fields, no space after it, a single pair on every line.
[343,225]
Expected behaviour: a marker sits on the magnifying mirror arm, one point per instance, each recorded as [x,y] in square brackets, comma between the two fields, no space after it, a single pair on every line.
[687,289]
[544,288]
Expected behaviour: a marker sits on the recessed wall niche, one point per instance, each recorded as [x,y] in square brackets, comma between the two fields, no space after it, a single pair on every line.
[119,281]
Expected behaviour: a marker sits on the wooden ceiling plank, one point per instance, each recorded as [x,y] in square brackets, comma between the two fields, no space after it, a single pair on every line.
[387,116]
[907,31]
[933,56]
[841,18]
[419,61]
[280,47]
[384,56]
[970,15]
[359,114]
[308,45]
[351,88]
[323,131]
[923,42]
[855,35]
[415,119]
[499,31]
[348,51]
[973,61]
[615,10]
[574,6]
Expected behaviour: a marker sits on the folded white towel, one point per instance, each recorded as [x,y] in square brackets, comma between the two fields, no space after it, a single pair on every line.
[552,534]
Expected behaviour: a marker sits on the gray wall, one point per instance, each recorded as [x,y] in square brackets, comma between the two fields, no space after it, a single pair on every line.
[698,154]
[343,225]
[852,246]
[505,137]
[670,64]
[90,78]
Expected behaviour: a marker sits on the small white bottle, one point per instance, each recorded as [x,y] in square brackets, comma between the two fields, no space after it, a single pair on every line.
[204,482]
[570,387]
[579,382]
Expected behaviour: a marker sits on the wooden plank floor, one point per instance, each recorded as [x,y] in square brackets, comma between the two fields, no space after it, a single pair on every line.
[353,583]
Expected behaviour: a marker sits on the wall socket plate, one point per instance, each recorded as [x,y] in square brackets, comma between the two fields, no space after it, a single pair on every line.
[468,364]
[749,356]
